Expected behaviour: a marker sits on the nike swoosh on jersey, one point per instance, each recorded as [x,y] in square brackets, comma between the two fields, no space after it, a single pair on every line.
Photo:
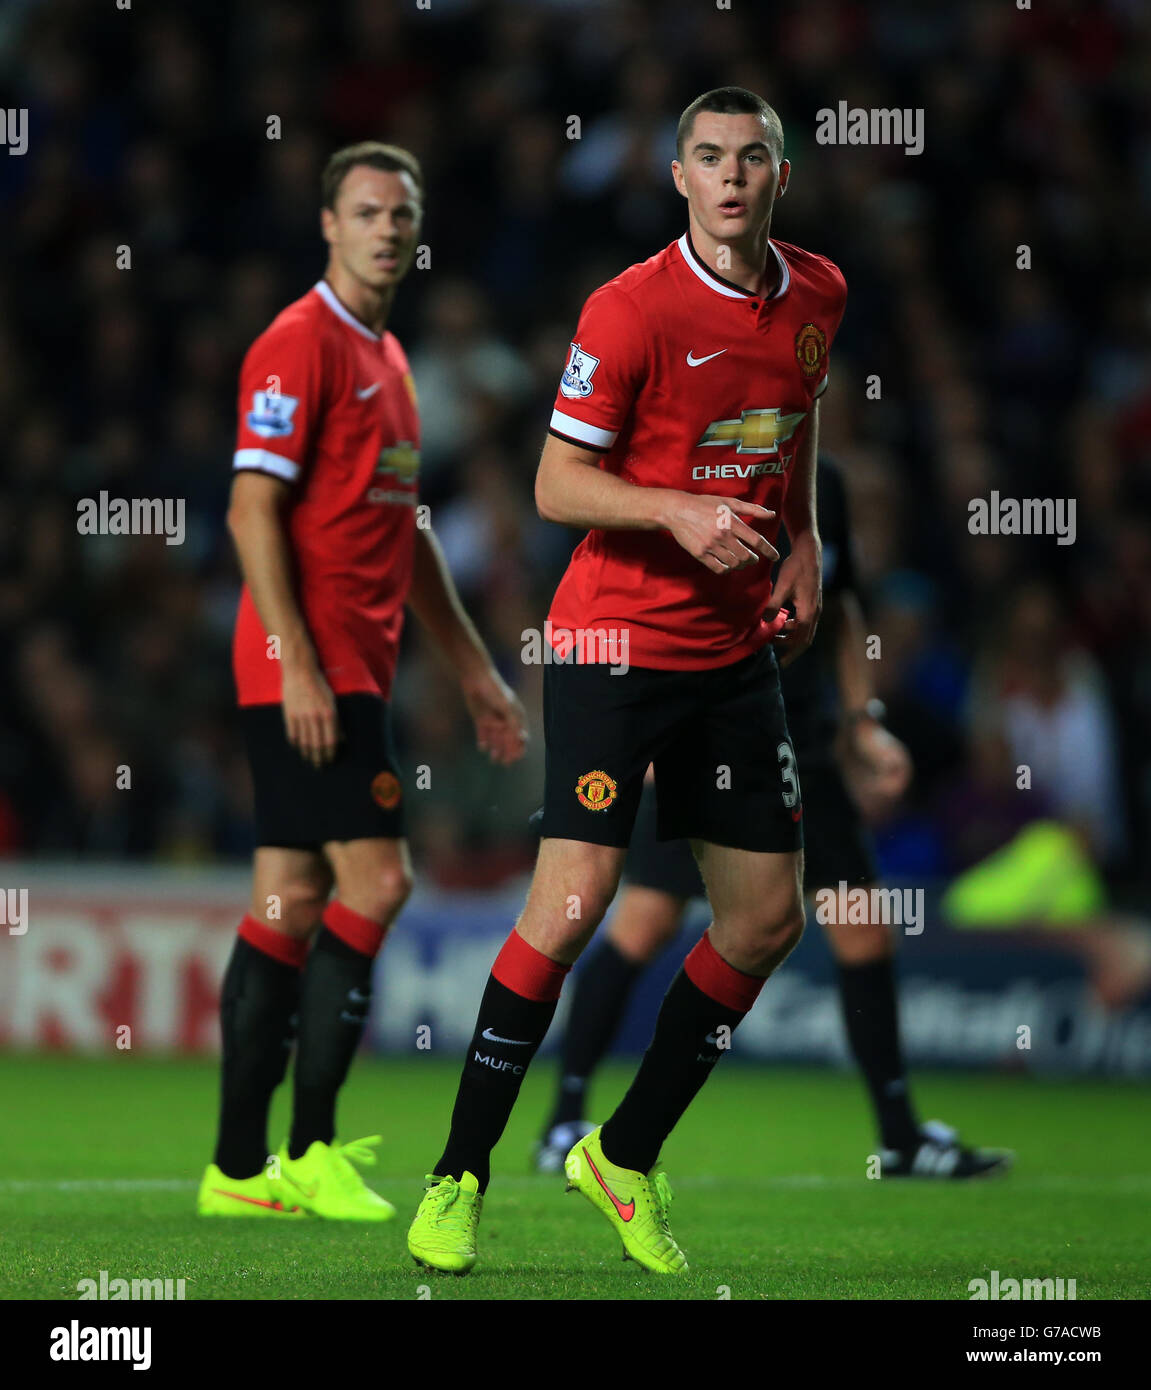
[515,1042]
[625,1212]
[363,392]
[699,361]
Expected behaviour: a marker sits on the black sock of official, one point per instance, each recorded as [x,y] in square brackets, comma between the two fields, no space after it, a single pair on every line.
[602,988]
[258,999]
[515,1014]
[692,1033]
[870,1013]
[335,998]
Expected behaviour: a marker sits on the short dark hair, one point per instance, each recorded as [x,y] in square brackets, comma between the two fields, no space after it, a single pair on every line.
[374,153]
[731,101]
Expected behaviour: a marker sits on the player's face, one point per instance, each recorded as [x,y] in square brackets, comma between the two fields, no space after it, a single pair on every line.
[374,226]
[730,175]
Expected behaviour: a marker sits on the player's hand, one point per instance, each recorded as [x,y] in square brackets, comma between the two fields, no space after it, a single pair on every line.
[799,586]
[711,530]
[878,766]
[501,725]
[310,718]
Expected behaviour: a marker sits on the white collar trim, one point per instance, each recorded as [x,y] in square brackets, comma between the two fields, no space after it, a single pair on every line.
[328,295]
[712,281]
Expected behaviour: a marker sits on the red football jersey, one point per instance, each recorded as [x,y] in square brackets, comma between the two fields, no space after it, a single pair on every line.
[330,406]
[683,380]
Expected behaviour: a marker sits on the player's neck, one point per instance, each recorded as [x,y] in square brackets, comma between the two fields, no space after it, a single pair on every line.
[744,262]
[371,307]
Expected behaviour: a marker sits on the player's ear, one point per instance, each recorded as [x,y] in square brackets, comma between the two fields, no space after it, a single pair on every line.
[327,225]
[784,174]
[677,177]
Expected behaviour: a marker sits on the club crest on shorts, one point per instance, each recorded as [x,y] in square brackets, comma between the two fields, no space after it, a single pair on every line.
[596,791]
[386,790]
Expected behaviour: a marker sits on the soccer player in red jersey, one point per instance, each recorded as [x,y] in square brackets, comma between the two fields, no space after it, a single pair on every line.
[324,517]
[685,428]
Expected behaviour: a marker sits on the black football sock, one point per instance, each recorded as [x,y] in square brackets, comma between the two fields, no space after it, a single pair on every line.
[258,999]
[602,988]
[515,1014]
[686,1046]
[335,999]
[870,1013]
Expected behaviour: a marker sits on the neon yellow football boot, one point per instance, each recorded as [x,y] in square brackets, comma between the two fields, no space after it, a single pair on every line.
[443,1235]
[636,1204]
[221,1195]
[324,1182]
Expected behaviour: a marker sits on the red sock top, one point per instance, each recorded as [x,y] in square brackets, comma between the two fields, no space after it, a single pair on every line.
[354,929]
[709,972]
[528,972]
[288,950]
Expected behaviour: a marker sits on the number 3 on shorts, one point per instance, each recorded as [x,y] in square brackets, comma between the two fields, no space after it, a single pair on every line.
[787,770]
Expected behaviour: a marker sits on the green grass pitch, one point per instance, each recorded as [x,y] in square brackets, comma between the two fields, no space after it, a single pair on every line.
[101,1158]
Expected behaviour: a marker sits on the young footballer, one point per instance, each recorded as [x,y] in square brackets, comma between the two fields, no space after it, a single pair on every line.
[323,514]
[685,429]
[835,723]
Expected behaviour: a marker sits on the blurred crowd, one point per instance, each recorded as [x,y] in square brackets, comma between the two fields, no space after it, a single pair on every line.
[153,229]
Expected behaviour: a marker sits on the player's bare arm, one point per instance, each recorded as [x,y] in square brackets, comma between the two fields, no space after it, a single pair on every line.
[799,585]
[256,522]
[501,731]
[877,763]
[571,488]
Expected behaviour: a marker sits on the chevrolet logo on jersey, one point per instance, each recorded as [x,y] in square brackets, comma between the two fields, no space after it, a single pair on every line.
[755,432]
[400,459]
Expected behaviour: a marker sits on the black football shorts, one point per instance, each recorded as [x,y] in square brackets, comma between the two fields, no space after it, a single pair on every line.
[357,796]
[724,766]
[837,844]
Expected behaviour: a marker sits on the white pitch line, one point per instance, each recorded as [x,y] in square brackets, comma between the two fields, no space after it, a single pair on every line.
[1051,1182]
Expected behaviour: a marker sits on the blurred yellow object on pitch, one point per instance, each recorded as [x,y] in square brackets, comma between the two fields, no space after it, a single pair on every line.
[1043,877]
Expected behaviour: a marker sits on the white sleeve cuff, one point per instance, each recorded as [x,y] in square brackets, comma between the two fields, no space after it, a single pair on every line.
[264,461]
[583,433]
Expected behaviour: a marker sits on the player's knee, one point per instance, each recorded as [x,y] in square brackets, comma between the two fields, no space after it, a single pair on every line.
[645,922]
[300,906]
[773,936]
[384,893]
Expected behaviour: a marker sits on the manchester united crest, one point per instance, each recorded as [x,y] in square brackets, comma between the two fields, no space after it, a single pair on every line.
[596,791]
[386,790]
[811,349]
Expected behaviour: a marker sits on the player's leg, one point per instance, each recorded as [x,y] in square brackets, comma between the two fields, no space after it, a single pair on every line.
[729,783]
[572,886]
[258,1004]
[758,919]
[839,852]
[660,878]
[601,733]
[864,952]
[373,881]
